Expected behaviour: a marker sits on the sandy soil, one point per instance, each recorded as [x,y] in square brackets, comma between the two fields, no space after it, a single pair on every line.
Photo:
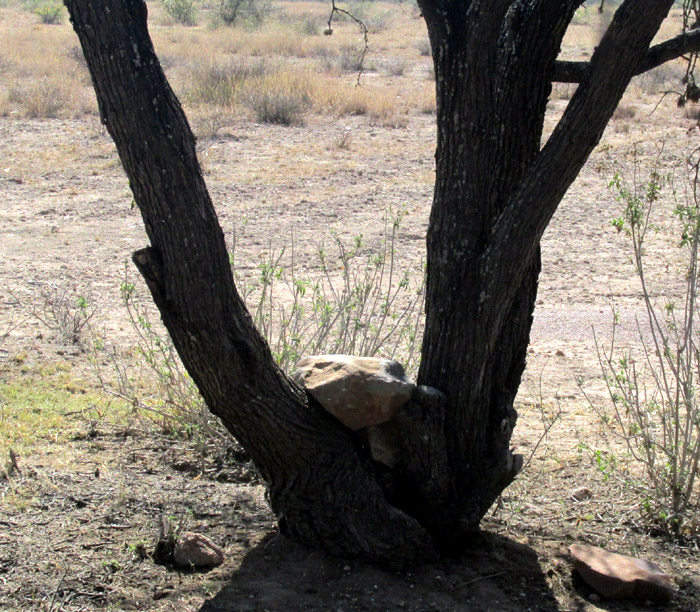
[78,522]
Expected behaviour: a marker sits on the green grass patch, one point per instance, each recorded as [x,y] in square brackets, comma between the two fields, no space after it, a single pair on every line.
[46,402]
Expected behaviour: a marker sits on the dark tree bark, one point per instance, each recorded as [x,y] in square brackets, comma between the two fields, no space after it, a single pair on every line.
[496,190]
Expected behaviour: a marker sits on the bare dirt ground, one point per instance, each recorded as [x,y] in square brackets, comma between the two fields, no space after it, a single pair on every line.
[79,520]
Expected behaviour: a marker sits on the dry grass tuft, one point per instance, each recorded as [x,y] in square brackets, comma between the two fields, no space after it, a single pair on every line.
[281,98]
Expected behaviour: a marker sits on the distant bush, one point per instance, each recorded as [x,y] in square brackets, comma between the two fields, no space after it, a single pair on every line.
[310,24]
[397,67]
[50,13]
[220,84]
[39,99]
[182,11]
[251,13]
[351,59]
[424,47]
[278,106]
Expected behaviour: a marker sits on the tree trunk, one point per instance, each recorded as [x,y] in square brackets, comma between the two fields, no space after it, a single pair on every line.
[496,189]
[322,484]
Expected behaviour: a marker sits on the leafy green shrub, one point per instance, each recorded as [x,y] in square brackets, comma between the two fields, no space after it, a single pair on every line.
[251,13]
[50,13]
[181,11]
[655,390]
[361,301]
[357,300]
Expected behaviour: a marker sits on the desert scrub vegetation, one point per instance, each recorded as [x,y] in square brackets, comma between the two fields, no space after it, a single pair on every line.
[354,298]
[282,71]
[282,95]
[654,412]
[181,11]
[250,13]
[50,13]
[41,75]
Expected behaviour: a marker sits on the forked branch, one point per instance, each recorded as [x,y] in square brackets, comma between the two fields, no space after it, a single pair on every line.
[669,50]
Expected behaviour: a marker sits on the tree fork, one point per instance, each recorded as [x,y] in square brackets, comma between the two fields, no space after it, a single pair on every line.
[495,192]
[322,485]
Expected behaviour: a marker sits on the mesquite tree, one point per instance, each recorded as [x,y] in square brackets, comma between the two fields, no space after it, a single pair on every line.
[496,190]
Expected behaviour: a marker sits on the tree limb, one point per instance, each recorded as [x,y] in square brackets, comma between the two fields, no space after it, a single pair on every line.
[576,72]
[517,233]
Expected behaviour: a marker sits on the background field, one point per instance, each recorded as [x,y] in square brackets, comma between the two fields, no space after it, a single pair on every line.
[297,156]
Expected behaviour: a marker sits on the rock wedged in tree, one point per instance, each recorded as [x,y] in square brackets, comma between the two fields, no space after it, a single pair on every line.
[359,391]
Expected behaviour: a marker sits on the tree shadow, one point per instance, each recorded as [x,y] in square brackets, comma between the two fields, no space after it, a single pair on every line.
[495,575]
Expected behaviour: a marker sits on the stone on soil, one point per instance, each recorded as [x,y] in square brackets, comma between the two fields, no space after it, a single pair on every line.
[616,576]
[581,494]
[359,391]
[196,550]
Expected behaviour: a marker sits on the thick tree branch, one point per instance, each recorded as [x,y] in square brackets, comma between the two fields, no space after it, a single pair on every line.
[517,233]
[576,72]
[321,486]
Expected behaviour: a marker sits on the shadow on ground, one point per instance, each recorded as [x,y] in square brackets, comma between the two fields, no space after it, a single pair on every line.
[497,575]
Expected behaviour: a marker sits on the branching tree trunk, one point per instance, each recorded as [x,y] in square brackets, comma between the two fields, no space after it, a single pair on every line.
[496,190]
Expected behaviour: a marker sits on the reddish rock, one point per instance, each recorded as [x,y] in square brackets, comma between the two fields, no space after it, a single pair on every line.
[616,576]
[196,550]
[359,391]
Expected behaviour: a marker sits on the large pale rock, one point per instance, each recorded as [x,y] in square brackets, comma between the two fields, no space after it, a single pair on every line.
[196,550]
[619,577]
[359,391]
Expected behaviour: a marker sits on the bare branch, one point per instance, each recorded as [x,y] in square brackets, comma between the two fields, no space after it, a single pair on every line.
[363,28]
[688,42]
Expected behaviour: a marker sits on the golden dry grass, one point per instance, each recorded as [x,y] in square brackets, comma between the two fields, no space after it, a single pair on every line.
[42,74]
[226,70]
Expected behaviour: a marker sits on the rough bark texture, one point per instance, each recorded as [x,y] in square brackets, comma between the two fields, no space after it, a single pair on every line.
[669,50]
[496,189]
[322,486]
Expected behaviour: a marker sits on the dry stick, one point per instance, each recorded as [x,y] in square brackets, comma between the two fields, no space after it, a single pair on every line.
[363,27]
[461,585]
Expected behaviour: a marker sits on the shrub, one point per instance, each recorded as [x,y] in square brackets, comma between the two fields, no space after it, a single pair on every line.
[61,308]
[220,84]
[280,97]
[310,24]
[424,47]
[655,390]
[278,106]
[50,13]
[357,300]
[40,99]
[397,67]
[352,60]
[251,13]
[624,111]
[181,11]
[361,301]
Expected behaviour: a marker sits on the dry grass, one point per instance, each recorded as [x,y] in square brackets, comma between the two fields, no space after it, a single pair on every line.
[40,73]
[43,75]
[275,73]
